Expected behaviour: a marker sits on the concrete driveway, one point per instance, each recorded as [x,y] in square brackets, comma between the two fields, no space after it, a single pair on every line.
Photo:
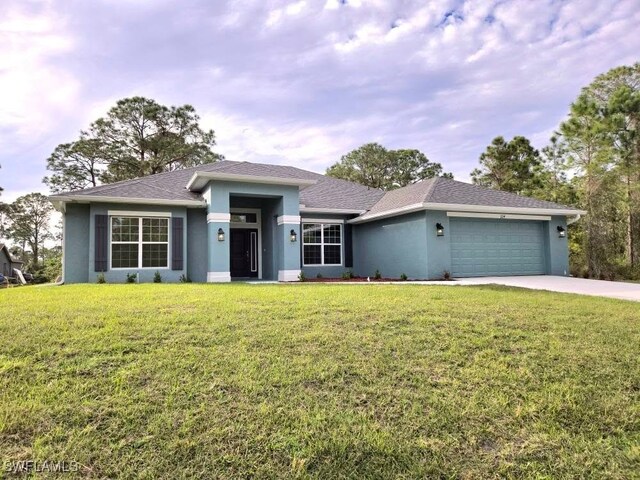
[598,288]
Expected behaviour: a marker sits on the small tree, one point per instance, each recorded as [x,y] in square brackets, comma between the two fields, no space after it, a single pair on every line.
[29,218]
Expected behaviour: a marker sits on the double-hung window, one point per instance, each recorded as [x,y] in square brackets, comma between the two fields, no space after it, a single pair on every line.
[321,244]
[138,242]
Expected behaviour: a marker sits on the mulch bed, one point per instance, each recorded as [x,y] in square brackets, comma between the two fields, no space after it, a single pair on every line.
[363,279]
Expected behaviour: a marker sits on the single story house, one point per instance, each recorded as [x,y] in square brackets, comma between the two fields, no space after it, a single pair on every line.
[7,262]
[238,220]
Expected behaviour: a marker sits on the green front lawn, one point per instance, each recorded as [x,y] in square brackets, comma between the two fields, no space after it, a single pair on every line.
[321,381]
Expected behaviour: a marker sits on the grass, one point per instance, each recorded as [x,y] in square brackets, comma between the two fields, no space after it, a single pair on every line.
[320,381]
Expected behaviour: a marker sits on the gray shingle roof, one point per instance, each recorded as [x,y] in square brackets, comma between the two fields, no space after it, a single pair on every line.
[444,190]
[328,192]
[403,197]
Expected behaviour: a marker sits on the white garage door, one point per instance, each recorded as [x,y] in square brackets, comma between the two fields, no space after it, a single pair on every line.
[486,247]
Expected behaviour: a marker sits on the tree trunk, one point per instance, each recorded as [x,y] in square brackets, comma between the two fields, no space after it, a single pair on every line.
[629,241]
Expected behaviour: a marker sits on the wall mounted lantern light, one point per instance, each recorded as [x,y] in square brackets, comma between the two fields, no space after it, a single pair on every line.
[439,230]
[293,236]
[561,232]
[220,235]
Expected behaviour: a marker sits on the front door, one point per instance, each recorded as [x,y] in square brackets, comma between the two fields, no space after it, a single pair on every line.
[244,252]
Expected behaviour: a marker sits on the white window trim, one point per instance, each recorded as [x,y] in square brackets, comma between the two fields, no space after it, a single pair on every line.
[322,220]
[129,213]
[322,244]
[140,243]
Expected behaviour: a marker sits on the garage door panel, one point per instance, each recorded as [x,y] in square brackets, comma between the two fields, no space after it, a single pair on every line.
[483,247]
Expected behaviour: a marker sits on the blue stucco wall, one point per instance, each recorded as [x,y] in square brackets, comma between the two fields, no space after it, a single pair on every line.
[557,248]
[393,246]
[407,244]
[197,244]
[438,248]
[76,244]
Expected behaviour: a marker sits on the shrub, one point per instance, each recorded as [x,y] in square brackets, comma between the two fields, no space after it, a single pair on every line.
[184,279]
[101,278]
[578,271]
[39,278]
[52,267]
[446,275]
[403,277]
[377,275]
[157,278]
[627,272]
[132,277]
[348,275]
[302,277]
[319,275]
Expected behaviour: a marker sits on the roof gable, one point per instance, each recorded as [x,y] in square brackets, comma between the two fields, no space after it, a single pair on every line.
[443,193]
[446,190]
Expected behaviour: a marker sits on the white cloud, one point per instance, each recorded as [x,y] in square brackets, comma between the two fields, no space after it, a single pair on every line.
[34,90]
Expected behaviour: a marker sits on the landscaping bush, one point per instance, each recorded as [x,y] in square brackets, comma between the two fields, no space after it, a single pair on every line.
[377,275]
[101,279]
[132,277]
[348,275]
[404,277]
[157,278]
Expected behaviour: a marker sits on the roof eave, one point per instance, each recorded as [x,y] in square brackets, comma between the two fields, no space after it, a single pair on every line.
[344,211]
[59,201]
[466,208]
[200,179]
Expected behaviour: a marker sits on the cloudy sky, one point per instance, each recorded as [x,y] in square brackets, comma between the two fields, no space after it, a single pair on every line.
[303,82]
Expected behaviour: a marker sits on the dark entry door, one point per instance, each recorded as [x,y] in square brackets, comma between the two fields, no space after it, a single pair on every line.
[244,252]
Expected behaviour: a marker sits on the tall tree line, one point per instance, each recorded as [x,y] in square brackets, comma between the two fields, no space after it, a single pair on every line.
[592,162]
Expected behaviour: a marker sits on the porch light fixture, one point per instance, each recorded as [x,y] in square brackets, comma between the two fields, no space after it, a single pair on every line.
[293,236]
[561,232]
[220,235]
[439,230]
